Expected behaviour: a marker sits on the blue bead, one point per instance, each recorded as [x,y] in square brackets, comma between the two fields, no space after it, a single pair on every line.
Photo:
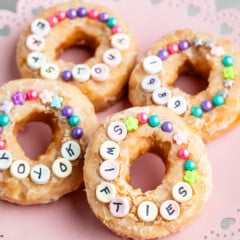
[227,61]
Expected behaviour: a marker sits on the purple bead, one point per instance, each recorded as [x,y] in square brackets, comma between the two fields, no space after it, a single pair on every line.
[1,130]
[71,13]
[167,126]
[184,45]
[18,98]
[163,54]
[82,12]
[206,105]
[77,132]
[67,111]
[103,17]
[66,75]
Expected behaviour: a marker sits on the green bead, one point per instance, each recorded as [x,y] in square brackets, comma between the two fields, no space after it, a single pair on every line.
[4,120]
[190,165]
[112,22]
[227,61]
[74,120]
[154,121]
[218,100]
[197,111]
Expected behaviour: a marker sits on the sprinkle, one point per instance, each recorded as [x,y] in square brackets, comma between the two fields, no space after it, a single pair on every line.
[18,98]
[46,96]
[56,102]
[217,51]
[180,137]
[6,106]
[131,123]
[190,177]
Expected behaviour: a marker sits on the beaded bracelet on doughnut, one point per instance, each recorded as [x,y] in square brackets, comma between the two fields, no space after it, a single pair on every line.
[184,189]
[206,54]
[101,77]
[57,171]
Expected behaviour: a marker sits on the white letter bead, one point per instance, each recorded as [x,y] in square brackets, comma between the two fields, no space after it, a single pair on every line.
[20,169]
[147,211]
[119,207]
[50,71]
[109,170]
[35,60]
[178,104]
[170,210]
[70,150]
[150,83]
[112,57]
[5,159]
[35,42]
[152,64]
[109,150]
[40,26]
[105,192]
[40,174]
[161,96]
[120,41]
[81,72]
[100,72]
[62,167]
[182,192]
[117,131]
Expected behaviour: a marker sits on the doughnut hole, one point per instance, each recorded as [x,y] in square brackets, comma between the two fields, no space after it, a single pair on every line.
[192,79]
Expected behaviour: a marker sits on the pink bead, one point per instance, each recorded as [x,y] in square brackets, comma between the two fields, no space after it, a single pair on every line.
[183,153]
[173,48]
[116,29]
[93,14]
[2,144]
[53,21]
[60,15]
[142,117]
[32,95]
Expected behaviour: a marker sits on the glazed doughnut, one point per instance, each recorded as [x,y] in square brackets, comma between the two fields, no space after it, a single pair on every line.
[102,77]
[58,171]
[152,80]
[119,140]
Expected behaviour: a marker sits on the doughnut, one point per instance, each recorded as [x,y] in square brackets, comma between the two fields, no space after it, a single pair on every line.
[101,77]
[185,51]
[58,171]
[118,141]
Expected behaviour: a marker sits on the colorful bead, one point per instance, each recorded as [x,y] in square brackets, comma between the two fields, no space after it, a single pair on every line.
[93,13]
[218,100]
[184,45]
[18,98]
[154,121]
[183,153]
[66,75]
[116,29]
[197,42]
[103,17]
[190,177]
[180,137]
[163,54]
[217,51]
[32,95]
[77,132]
[206,105]
[142,117]
[53,21]
[60,15]
[73,120]
[71,13]
[67,111]
[6,106]
[167,126]
[4,120]
[1,130]
[112,22]
[56,102]
[229,72]
[173,48]
[197,111]
[228,82]
[3,144]
[45,96]
[227,61]
[131,123]
[82,12]
[190,165]
[209,44]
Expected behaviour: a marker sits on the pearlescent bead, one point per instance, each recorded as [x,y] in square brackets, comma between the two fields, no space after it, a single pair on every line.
[218,100]
[1,130]
[53,21]
[206,105]
[183,153]
[3,144]
[227,61]
[142,117]
[184,45]
[163,54]
[82,12]
[67,111]
[77,132]
[61,15]
[4,120]
[103,17]
[112,22]
[154,121]
[173,48]
[93,14]
[32,95]
[66,75]
[197,111]
[116,29]
[71,13]
[73,120]
[190,165]
[167,126]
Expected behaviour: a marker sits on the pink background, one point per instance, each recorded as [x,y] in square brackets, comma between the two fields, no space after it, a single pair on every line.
[70,217]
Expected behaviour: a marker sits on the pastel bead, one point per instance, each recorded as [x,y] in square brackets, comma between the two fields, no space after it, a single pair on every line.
[35,42]
[18,98]
[40,174]
[53,21]
[100,72]
[40,26]
[6,107]
[77,132]
[218,100]
[197,111]
[161,96]
[60,15]
[109,150]
[62,168]
[32,95]
[5,159]
[105,192]
[4,120]
[183,153]
[182,192]
[119,207]
[142,117]
[112,22]
[206,105]
[154,121]
[190,165]
[169,210]
[131,123]
[73,120]
[117,131]
[93,14]
[109,170]
[35,60]
[163,54]
[116,29]
[227,61]
[81,72]
[120,41]
[178,104]
[173,48]
[20,169]
[167,127]
[152,64]
[147,211]
[150,83]
[70,150]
